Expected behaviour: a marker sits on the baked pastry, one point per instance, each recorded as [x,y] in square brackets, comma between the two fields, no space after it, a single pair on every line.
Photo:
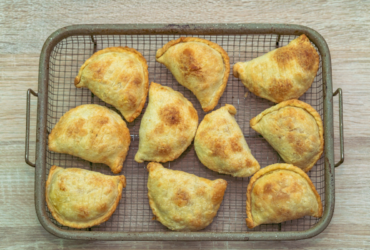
[220,144]
[81,198]
[281,192]
[118,76]
[168,125]
[182,201]
[282,74]
[199,65]
[93,133]
[294,129]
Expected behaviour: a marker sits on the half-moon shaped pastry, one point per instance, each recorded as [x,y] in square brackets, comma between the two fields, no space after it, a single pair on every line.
[220,144]
[199,65]
[182,201]
[294,129]
[81,198]
[93,133]
[118,76]
[282,74]
[168,125]
[281,192]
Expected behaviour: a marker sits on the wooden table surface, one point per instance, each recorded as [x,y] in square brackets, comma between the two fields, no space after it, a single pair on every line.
[24,26]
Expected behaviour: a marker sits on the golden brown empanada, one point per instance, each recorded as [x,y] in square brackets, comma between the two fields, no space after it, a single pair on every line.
[80,198]
[182,201]
[282,74]
[94,133]
[221,146]
[294,129]
[281,192]
[118,76]
[168,125]
[199,65]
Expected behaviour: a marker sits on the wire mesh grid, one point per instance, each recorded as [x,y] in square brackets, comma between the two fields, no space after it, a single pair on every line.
[133,213]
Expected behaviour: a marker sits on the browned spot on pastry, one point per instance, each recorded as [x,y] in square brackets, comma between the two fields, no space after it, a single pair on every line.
[189,64]
[218,148]
[201,191]
[100,67]
[299,146]
[181,198]
[197,221]
[283,212]
[235,144]
[295,187]
[102,120]
[159,129]
[164,149]
[83,212]
[111,186]
[177,218]
[268,188]
[76,129]
[170,115]
[131,100]
[279,196]
[279,88]
[103,207]
[248,162]
[303,53]
[137,80]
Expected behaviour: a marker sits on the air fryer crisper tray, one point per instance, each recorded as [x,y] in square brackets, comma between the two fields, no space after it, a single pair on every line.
[67,49]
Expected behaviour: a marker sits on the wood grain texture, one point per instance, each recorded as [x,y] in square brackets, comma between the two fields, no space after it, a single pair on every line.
[25,25]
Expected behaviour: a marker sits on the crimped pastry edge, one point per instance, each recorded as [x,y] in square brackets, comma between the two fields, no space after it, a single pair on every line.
[298,104]
[270,168]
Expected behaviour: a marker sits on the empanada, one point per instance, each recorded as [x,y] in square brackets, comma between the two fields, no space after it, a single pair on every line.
[282,74]
[81,198]
[294,129]
[118,76]
[168,125]
[220,144]
[182,201]
[94,133]
[281,192]
[199,65]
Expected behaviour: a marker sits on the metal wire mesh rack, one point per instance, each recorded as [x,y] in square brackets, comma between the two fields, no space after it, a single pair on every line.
[133,213]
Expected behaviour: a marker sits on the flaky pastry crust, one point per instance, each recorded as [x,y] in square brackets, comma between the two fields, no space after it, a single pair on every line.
[220,144]
[168,125]
[295,130]
[80,198]
[118,76]
[199,65]
[282,74]
[182,201]
[93,133]
[285,193]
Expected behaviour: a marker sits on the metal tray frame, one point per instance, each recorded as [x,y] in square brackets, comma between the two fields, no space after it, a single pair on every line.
[183,29]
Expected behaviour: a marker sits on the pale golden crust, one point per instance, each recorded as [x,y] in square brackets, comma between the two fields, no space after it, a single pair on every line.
[280,195]
[197,67]
[297,133]
[220,144]
[68,194]
[282,74]
[118,76]
[94,133]
[182,201]
[167,127]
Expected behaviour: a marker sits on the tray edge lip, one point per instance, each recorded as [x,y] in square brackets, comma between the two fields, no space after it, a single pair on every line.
[232,28]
